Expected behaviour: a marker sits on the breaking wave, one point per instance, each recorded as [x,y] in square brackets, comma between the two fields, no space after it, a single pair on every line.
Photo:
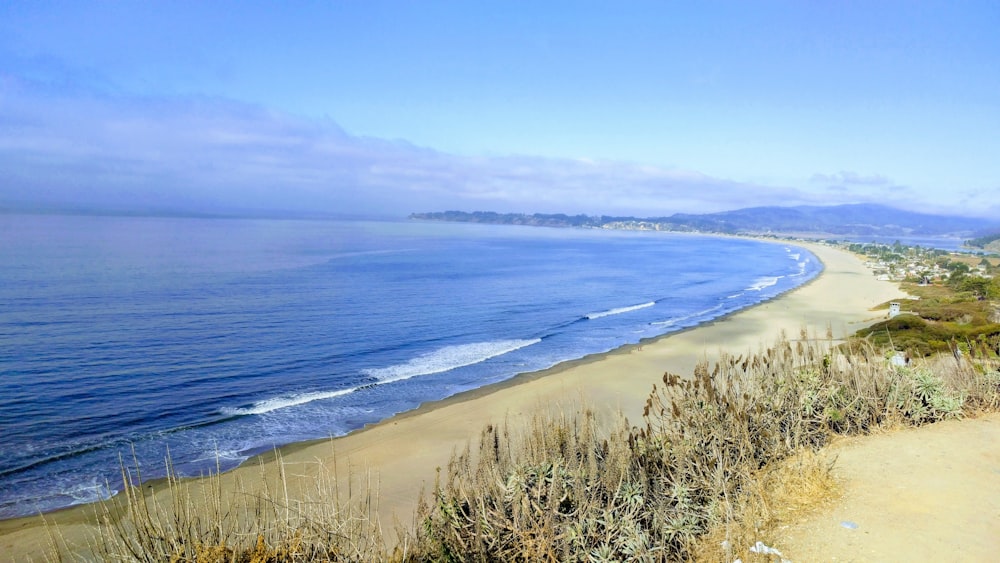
[448,358]
[762,283]
[275,403]
[620,310]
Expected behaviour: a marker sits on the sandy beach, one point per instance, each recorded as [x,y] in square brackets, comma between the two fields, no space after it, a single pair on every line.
[403,452]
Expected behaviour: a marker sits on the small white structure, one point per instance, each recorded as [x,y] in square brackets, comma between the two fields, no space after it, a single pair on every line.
[893,309]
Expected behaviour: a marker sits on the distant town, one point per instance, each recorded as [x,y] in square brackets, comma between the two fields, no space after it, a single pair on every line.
[915,264]
[828,221]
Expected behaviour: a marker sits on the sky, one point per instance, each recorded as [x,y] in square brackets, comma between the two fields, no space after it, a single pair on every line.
[386,108]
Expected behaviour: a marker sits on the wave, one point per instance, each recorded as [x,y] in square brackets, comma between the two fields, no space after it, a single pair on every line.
[802,268]
[275,403]
[674,321]
[765,282]
[369,253]
[222,455]
[447,359]
[794,256]
[620,310]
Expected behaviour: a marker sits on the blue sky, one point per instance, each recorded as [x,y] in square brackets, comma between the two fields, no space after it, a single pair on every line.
[644,108]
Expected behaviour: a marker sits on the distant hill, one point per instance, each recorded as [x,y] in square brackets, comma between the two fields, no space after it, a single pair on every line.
[854,219]
[986,242]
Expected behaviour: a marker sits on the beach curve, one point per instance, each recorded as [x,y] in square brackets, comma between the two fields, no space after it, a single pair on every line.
[404,451]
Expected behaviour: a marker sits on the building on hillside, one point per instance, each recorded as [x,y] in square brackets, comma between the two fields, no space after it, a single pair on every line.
[893,309]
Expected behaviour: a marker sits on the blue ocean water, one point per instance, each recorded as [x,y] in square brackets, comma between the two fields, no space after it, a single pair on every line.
[223,338]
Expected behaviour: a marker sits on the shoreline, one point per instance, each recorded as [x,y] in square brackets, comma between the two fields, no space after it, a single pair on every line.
[268,455]
[405,448]
[522,377]
[513,381]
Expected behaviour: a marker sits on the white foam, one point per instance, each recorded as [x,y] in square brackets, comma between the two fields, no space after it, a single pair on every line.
[761,283]
[620,310]
[448,358]
[222,455]
[275,403]
[369,253]
[88,492]
[670,322]
[802,268]
[794,256]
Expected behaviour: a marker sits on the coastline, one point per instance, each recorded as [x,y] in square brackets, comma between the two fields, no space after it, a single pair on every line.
[405,449]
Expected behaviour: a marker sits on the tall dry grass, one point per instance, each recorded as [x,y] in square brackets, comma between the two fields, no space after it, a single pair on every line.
[718,459]
[204,521]
[715,457]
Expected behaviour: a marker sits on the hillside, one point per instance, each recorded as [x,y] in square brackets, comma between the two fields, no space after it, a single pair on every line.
[854,219]
[986,242]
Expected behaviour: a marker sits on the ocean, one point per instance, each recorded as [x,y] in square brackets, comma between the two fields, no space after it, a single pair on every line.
[219,339]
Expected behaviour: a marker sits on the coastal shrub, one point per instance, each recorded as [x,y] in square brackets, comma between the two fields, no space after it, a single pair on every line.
[925,337]
[935,322]
[922,397]
[559,490]
[689,481]
[639,493]
[719,459]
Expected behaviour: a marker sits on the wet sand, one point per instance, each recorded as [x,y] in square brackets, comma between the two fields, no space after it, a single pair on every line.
[402,453]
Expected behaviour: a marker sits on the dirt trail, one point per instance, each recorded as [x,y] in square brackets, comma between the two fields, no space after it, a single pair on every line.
[926,494]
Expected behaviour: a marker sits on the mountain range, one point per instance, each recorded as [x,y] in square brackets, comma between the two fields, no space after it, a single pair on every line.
[852,219]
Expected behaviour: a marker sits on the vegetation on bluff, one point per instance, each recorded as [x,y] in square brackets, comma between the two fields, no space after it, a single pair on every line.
[986,242]
[693,471]
[718,461]
[943,320]
[953,306]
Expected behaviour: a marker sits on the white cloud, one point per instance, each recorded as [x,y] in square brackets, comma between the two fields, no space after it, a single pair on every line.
[202,154]
[846,177]
[852,187]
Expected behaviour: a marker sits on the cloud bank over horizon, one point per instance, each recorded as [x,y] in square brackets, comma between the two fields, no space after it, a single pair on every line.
[119,153]
[374,108]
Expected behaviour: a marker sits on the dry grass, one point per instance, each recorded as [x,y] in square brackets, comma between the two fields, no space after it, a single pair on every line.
[200,521]
[719,460]
[779,494]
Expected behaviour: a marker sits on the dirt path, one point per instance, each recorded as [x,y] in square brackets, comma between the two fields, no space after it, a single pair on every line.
[927,494]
